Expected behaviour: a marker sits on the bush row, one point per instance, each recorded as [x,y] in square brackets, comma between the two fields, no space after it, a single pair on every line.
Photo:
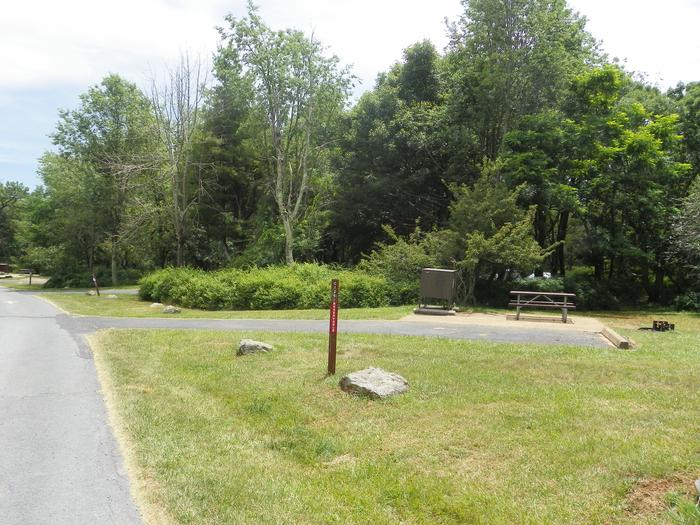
[276,287]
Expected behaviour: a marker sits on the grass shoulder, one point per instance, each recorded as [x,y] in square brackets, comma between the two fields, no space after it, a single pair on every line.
[130,306]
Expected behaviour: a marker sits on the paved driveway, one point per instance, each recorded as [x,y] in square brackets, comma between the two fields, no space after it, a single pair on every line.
[59,461]
[515,334]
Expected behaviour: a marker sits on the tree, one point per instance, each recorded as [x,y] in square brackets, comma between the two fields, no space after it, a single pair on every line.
[75,220]
[108,132]
[630,179]
[686,230]
[176,106]
[11,193]
[491,234]
[394,158]
[538,157]
[300,92]
[688,99]
[512,58]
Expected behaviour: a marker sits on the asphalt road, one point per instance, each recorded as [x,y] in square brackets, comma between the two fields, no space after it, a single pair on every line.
[59,461]
[85,325]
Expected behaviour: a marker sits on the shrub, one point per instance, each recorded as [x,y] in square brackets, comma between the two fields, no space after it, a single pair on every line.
[687,301]
[274,287]
[73,277]
[400,262]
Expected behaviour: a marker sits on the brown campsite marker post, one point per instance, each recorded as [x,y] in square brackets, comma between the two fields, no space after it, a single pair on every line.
[333,330]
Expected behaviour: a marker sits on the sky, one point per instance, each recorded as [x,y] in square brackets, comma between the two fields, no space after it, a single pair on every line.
[53,51]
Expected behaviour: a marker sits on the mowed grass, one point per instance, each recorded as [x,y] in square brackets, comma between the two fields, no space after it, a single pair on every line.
[130,306]
[488,433]
[22,283]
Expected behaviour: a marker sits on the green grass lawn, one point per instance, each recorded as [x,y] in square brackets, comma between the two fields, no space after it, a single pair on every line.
[488,433]
[131,306]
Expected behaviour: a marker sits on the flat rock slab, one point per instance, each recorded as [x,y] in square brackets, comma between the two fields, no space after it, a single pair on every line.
[156,305]
[374,382]
[248,346]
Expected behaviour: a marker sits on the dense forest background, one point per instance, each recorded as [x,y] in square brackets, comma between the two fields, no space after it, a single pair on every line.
[520,150]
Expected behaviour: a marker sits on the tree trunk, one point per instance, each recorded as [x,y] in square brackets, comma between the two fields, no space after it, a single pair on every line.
[470,299]
[179,252]
[288,240]
[114,262]
[540,233]
[599,265]
[658,285]
[560,266]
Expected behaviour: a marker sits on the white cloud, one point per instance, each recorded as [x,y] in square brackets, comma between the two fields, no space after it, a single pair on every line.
[657,38]
[79,41]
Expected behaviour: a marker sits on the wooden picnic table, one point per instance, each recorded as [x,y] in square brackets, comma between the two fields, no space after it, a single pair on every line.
[557,300]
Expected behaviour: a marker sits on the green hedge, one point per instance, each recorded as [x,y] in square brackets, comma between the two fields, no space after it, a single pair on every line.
[272,288]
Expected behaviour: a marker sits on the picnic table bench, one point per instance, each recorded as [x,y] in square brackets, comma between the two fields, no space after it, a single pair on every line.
[556,300]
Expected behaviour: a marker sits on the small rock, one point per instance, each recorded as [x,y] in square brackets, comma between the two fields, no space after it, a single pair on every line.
[171,310]
[697,486]
[156,305]
[248,346]
[112,296]
[91,292]
[374,382]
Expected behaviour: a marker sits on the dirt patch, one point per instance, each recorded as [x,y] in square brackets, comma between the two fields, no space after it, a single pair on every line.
[576,323]
[647,497]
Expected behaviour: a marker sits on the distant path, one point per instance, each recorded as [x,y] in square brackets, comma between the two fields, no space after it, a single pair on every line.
[59,461]
[87,325]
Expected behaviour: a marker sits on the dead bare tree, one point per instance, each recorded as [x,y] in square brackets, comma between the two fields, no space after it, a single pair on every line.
[176,104]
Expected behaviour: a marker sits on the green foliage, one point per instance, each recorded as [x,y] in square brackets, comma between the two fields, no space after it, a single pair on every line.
[12,195]
[298,286]
[519,149]
[393,160]
[44,260]
[687,301]
[400,262]
[101,170]
[510,59]
[72,276]
[300,94]
[686,230]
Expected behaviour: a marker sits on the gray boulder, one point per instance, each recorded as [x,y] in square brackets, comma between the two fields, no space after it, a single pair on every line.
[248,346]
[156,305]
[171,310]
[697,486]
[91,292]
[112,296]
[374,382]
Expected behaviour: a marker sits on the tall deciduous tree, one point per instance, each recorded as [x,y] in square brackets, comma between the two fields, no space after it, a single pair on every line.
[299,91]
[11,193]
[510,58]
[111,128]
[394,159]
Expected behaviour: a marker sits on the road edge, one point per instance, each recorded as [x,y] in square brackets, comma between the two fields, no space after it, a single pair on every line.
[152,513]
